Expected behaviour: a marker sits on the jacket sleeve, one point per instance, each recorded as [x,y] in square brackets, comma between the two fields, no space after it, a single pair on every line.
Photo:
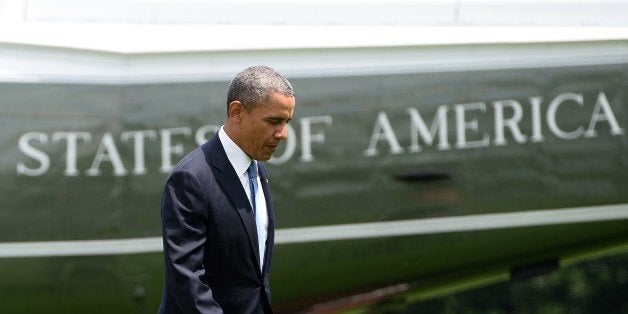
[184,220]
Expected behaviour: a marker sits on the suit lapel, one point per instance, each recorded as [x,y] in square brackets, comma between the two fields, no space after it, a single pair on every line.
[228,179]
[271,216]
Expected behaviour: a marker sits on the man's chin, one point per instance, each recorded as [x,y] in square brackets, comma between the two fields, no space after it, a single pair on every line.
[264,157]
[266,154]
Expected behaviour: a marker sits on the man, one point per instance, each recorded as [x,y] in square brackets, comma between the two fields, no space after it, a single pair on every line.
[217,215]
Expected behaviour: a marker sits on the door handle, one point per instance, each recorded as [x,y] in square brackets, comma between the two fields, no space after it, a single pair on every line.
[422,176]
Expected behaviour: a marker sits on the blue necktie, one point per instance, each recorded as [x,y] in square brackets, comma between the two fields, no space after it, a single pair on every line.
[252,171]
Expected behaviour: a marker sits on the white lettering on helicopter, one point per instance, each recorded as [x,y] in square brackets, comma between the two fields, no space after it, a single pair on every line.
[469,135]
[473,125]
[33,144]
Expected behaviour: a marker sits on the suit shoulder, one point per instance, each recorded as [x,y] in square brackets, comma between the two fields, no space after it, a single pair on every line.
[197,159]
[190,160]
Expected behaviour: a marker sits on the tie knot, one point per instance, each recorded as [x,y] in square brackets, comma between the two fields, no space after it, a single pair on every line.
[252,171]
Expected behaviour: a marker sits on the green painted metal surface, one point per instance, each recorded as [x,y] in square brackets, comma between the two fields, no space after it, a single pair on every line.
[515,140]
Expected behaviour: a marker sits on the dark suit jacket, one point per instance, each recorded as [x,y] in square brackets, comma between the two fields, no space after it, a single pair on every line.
[210,239]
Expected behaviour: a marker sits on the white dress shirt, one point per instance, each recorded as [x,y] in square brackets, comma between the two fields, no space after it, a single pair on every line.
[241,162]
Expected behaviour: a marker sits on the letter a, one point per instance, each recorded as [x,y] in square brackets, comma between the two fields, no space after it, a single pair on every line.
[606,115]
[383,130]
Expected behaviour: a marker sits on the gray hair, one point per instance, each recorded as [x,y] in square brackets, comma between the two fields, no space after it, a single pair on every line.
[255,84]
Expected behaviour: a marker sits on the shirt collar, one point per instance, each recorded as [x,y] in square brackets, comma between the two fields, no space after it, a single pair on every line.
[238,158]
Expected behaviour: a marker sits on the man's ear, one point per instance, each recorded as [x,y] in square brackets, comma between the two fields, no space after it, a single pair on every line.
[235,109]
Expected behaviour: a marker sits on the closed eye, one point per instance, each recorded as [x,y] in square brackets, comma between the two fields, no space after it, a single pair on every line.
[277,120]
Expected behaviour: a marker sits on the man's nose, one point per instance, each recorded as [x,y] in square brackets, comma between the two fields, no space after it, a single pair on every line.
[282,133]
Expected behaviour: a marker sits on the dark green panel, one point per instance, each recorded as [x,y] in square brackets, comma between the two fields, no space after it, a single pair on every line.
[340,185]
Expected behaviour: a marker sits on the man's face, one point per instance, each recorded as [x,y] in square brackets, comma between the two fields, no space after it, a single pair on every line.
[264,126]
